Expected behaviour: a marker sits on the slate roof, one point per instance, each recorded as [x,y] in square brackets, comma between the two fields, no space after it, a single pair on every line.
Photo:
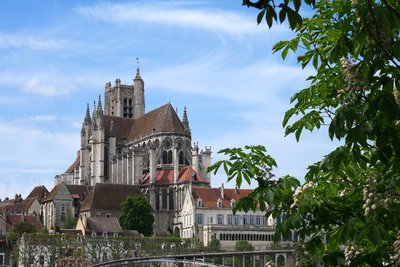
[103,224]
[161,120]
[39,192]
[81,190]
[52,193]
[209,196]
[166,176]
[108,197]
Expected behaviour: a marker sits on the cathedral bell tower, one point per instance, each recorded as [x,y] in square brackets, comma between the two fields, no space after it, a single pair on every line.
[126,101]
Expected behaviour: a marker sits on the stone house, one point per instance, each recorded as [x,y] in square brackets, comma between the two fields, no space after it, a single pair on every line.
[104,200]
[99,226]
[62,205]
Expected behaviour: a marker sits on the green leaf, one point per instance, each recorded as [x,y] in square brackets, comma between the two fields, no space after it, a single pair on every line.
[260,16]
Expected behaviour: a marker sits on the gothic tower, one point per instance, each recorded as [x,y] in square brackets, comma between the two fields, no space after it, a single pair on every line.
[126,101]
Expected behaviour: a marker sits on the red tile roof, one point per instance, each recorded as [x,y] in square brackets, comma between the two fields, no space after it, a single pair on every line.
[39,192]
[166,176]
[21,206]
[13,220]
[210,196]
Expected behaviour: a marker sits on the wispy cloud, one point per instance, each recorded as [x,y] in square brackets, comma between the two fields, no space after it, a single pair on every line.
[31,42]
[44,82]
[206,77]
[189,16]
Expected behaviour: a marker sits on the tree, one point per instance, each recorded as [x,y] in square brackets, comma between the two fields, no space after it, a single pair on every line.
[136,214]
[24,227]
[347,210]
[243,245]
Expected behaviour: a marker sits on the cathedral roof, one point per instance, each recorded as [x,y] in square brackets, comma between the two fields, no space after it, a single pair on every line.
[72,168]
[166,176]
[210,196]
[108,197]
[161,120]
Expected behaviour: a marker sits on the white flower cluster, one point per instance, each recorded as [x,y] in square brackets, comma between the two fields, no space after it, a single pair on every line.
[296,194]
[352,77]
[396,246]
[266,172]
[374,199]
[350,252]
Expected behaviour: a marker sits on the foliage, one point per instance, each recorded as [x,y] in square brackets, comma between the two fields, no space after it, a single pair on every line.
[70,223]
[97,249]
[136,214]
[243,245]
[24,227]
[214,244]
[347,210]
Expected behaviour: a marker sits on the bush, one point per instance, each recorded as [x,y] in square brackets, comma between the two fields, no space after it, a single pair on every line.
[243,245]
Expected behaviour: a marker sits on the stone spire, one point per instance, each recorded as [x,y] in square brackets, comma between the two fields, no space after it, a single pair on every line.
[137,69]
[185,121]
[87,115]
[138,94]
[99,107]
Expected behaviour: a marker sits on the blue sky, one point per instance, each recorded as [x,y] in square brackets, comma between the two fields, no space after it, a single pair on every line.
[209,56]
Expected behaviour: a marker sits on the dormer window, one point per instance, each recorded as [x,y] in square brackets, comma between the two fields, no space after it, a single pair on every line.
[105,235]
[199,202]
[219,203]
[233,201]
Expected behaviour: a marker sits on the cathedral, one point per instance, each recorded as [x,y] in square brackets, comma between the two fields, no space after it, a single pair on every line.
[123,144]
[125,150]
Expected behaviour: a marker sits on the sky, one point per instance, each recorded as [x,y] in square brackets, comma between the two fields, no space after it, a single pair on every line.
[210,56]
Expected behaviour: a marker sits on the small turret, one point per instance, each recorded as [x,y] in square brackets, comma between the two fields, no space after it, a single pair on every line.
[99,107]
[185,121]
[87,115]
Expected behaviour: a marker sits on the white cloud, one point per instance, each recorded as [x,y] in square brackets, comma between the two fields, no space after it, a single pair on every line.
[189,16]
[42,118]
[31,42]
[264,83]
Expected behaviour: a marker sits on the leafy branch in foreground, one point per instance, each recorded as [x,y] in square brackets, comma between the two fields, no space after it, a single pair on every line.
[347,210]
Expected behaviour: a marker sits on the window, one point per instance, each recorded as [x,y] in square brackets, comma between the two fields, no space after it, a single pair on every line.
[1,259]
[230,219]
[41,260]
[219,203]
[258,219]
[233,202]
[199,202]
[200,218]
[252,219]
[63,212]
[108,215]
[220,219]
[210,220]
[236,219]
[105,234]
[93,234]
